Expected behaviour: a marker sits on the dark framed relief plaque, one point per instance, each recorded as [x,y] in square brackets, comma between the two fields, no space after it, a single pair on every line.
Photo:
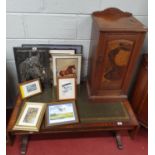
[32,64]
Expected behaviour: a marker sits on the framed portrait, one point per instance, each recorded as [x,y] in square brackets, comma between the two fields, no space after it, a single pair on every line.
[30,117]
[66,66]
[58,113]
[66,88]
[33,63]
[30,88]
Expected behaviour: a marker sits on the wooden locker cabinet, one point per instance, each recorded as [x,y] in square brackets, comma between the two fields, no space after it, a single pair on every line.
[116,41]
[139,96]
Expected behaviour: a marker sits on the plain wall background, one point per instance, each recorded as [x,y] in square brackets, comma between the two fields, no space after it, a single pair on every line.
[57,22]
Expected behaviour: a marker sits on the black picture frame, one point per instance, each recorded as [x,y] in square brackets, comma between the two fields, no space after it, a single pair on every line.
[32,64]
[78,48]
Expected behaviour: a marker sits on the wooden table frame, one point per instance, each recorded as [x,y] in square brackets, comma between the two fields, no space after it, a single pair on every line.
[132,126]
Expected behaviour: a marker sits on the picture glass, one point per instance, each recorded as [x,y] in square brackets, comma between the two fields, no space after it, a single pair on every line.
[61,113]
[66,67]
[30,115]
[33,64]
[67,88]
[30,88]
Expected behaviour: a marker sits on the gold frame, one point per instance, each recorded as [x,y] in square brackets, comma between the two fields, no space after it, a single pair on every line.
[58,90]
[39,120]
[28,82]
[61,123]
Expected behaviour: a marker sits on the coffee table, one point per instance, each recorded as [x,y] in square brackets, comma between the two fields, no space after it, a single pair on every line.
[93,117]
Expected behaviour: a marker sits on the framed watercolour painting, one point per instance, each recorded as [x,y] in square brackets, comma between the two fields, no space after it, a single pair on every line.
[30,88]
[30,117]
[66,66]
[58,113]
[66,88]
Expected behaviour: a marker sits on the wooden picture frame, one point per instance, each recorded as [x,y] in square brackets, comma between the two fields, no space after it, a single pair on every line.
[66,88]
[61,113]
[30,88]
[30,117]
[62,51]
[65,66]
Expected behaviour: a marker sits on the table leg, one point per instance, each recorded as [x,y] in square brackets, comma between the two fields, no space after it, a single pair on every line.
[134,132]
[24,141]
[9,138]
[118,140]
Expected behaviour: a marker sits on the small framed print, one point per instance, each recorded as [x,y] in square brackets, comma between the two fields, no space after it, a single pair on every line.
[30,88]
[66,66]
[66,88]
[30,117]
[58,113]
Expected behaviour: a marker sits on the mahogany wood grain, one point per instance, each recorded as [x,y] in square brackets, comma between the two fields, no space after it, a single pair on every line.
[131,124]
[116,42]
[139,97]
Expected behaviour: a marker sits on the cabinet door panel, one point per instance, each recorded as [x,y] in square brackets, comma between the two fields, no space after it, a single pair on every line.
[117,53]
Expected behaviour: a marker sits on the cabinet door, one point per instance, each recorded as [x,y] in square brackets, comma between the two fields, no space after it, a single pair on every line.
[114,61]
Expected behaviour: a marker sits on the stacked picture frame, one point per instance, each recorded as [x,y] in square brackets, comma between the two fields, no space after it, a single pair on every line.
[40,67]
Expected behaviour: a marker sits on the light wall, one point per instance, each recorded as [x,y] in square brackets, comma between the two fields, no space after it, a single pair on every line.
[57,22]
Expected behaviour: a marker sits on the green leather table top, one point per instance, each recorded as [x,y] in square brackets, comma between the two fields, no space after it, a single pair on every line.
[88,112]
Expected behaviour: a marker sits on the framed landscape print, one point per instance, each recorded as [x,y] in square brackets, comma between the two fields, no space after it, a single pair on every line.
[30,88]
[58,113]
[30,117]
[66,88]
[66,66]
[33,63]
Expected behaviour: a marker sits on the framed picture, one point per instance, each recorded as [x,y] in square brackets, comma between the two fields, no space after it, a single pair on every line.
[58,113]
[30,88]
[62,52]
[66,66]
[66,88]
[59,52]
[33,63]
[30,117]
[78,48]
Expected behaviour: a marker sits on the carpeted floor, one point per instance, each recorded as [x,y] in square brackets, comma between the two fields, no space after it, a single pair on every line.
[83,144]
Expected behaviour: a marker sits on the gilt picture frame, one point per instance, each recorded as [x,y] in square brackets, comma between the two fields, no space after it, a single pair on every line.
[66,66]
[30,88]
[61,113]
[30,117]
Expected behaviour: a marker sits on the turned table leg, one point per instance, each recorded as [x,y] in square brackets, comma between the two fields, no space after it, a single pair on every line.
[9,138]
[24,141]
[118,140]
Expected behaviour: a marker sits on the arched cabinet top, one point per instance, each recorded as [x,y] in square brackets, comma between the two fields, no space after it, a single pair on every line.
[113,19]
